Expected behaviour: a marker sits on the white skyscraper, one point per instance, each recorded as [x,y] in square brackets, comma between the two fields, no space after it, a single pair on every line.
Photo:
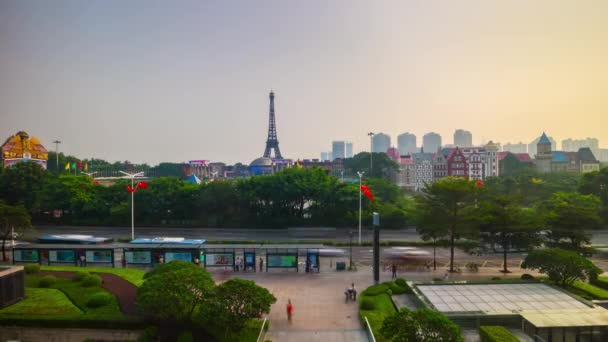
[406,144]
[349,149]
[381,142]
[463,138]
[431,142]
[338,149]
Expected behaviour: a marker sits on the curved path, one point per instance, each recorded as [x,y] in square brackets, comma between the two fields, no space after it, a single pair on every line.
[124,291]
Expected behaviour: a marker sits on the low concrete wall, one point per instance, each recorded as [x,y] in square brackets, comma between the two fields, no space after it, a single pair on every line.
[27,334]
[12,285]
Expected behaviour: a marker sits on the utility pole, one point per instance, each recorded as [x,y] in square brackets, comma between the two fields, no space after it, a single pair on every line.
[376,222]
[132,176]
[360,173]
[57,142]
[371,151]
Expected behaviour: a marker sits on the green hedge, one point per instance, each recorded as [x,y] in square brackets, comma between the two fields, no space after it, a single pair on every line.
[31,268]
[493,333]
[588,291]
[47,281]
[79,276]
[601,282]
[73,323]
[375,290]
[91,280]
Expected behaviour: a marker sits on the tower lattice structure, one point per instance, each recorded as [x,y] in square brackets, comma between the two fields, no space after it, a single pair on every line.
[272,142]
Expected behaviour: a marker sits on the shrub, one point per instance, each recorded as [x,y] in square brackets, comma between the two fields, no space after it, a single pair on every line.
[367,304]
[31,268]
[396,289]
[527,276]
[437,279]
[601,282]
[496,278]
[375,290]
[491,333]
[47,281]
[185,336]
[419,325]
[98,300]
[401,282]
[91,280]
[150,334]
[80,275]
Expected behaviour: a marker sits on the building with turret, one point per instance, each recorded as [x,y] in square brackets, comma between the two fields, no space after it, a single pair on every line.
[548,160]
[23,148]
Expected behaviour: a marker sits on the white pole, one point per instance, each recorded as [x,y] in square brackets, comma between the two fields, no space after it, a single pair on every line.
[132,212]
[360,209]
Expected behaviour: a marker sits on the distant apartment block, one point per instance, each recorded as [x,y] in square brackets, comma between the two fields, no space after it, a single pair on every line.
[431,142]
[338,149]
[381,143]
[406,144]
[349,149]
[463,138]
[515,148]
[573,145]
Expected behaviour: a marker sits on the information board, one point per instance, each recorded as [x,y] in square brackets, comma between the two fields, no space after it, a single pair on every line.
[249,259]
[138,257]
[26,255]
[219,259]
[66,256]
[282,260]
[99,256]
[183,256]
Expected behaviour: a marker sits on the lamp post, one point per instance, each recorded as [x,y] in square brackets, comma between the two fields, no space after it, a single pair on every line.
[360,173]
[57,142]
[371,151]
[350,233]
[132,177]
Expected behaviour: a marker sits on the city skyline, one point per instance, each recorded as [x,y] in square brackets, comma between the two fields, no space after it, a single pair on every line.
[130,81]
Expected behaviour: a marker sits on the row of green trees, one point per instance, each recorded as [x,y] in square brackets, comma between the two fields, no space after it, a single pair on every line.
[497,214]
[295,197]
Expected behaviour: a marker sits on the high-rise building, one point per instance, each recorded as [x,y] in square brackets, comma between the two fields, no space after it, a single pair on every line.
[491,160]
[515,148]
[381,143]
[349,149]
[338,149]
[406,144]
[573,145]
[463,138]
[431,142]
[326,156]
[532,147]
[603,157]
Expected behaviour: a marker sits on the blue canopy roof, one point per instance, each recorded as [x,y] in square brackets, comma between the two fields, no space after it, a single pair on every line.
[560,157]
[193,179]
[73,238]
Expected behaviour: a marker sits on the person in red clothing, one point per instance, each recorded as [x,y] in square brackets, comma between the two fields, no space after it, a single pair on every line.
[289,310]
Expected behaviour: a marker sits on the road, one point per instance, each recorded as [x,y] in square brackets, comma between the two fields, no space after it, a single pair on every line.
[600,238]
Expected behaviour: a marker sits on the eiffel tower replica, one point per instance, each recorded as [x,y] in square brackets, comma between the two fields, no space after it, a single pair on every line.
[272,142]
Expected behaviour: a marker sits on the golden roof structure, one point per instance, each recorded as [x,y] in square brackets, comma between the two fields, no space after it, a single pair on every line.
[22,146]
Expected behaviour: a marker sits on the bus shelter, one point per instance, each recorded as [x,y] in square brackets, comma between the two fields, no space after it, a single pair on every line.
[64,254]
[286,258]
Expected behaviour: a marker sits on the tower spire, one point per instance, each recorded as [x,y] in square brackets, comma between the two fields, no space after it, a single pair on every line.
[272,142]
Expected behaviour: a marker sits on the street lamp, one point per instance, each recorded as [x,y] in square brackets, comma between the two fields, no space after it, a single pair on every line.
[132,177]
[57,142]
[371,151]
[360,173]
[350,233]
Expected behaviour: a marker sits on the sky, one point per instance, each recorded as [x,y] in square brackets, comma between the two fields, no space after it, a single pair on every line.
[151,81]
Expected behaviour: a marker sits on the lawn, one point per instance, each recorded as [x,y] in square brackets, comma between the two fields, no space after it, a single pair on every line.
[39,303]
[380,297]
[133,275]
[587,291]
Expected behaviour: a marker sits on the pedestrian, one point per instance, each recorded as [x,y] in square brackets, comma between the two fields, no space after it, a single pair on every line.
[307,265]
[261,264]
[446,275]
[289,310]
[238,261]
[82,260]
[124,262]
[197,262]
[394,268]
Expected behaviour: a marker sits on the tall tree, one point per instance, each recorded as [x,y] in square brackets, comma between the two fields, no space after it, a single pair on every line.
[568,217]
[444,209]
[383,166]
[22,183]
[505,223]
[562,266]
[12,219]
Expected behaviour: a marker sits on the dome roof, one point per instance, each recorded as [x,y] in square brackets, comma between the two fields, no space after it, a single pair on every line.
[262,161]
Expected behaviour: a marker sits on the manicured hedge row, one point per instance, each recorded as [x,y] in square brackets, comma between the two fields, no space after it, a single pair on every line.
[73,323]
[494,333]
[601,282]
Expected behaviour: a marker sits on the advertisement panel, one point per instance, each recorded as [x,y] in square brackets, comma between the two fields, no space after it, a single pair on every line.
[26,255]
[282,261]
[249,259]
[219,259]
[99,256]
[183,256]
[66,256]
[138,257]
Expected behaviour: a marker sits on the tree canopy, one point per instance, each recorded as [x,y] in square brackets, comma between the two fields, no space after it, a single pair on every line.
[562,266]
[13,219]
[420,326]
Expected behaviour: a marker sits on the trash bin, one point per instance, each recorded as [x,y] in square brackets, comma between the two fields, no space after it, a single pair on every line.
[340,266]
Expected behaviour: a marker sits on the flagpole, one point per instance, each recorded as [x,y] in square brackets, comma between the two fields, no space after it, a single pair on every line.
[360,176]
[132,212]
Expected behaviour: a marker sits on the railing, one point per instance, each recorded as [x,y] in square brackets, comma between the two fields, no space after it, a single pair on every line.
[538,339]
[263,330]
[368,330]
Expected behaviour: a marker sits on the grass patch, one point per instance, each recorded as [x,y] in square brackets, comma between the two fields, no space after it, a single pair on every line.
[587,291]
[42,303]
[80,296]
[383,307]
[601,282]
[133,275]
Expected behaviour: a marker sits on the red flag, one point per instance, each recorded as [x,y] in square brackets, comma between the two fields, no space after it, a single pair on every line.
[96,182]
[142,185]
[130,189]
[367,192]
[79,164]
[479,184]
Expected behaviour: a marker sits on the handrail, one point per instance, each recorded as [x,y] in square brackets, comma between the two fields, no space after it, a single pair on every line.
[262,333]
[368,329]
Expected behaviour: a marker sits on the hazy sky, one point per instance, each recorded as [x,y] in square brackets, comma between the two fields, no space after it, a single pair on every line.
[151,81]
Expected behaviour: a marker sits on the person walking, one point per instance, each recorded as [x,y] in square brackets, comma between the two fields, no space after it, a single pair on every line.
[289,310]
[394,269]
[238,264]
[261,264]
